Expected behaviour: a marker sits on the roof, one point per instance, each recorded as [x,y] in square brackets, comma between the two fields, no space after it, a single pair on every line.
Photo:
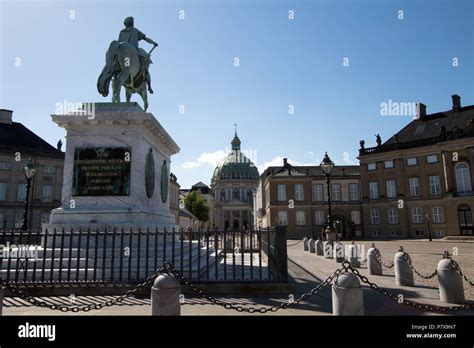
[429,130]
[236,166]
[18,137]
[314,171]
[185,212]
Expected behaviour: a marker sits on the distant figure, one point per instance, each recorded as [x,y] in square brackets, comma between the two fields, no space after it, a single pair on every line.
[378,139]
[59,145]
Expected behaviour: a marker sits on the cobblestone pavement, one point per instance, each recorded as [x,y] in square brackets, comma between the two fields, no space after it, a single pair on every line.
[306,270]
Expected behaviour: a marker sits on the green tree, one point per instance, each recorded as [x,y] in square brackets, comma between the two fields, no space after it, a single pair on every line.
[195,203]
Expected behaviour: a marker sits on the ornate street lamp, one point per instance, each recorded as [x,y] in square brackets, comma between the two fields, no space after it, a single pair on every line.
[327,166]
[29,170]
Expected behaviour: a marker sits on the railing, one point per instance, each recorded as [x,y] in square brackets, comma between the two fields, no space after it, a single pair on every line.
[129,256]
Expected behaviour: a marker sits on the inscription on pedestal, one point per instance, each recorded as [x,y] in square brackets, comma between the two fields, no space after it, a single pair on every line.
[101,171]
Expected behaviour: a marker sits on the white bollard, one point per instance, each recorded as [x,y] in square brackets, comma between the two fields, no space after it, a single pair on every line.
[347,298]
[403,272]
[311,246]
[374,266]
[339,254]
[353,255]
[327,249]
[451,288]
[319,247]
[305,244]
[165,295]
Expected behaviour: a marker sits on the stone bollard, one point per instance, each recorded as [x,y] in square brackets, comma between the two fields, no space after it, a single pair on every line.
[403,272]
[311,246]
[305,244]
[347,298]
[319,248]
[451,288]
[339,254]
[374,266]
[352,255]
[165,295]
[327,249]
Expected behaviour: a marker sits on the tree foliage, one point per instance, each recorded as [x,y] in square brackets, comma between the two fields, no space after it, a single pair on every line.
[195,203]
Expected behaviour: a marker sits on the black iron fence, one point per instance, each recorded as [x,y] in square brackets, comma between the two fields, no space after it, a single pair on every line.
[128,256]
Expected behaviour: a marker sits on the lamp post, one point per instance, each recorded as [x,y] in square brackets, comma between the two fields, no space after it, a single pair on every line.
[430,238]
[29,170]
[326,166]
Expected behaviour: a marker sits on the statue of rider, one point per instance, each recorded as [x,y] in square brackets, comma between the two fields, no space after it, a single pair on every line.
[133,35]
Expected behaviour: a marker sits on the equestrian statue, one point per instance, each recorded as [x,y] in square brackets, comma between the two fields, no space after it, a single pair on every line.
[127,65]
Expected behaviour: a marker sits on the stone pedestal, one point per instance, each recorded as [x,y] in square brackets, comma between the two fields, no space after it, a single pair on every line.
[100,189]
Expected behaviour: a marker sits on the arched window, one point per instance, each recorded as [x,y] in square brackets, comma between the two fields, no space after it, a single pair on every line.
[222,195]
[236,194]
[463,178]
[465,220]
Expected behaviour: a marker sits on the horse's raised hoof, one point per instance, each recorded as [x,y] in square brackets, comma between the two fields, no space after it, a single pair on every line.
[150,90]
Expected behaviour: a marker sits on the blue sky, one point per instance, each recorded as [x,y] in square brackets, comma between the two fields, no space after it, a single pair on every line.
[283,62]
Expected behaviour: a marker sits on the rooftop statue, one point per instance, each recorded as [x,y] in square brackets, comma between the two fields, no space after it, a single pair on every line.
[126,64]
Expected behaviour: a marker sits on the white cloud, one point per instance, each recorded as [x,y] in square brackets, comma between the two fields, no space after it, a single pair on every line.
[212,158]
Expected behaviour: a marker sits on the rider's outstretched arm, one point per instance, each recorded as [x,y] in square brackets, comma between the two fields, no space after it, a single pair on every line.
[150,41]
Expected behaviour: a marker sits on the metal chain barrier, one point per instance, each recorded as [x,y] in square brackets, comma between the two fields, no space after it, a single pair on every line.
[95,306]
[407,258]
[457,268]
[396,298]
[262,310]
[379,257]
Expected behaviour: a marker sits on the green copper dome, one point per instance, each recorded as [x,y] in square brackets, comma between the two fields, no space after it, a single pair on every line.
[236,166]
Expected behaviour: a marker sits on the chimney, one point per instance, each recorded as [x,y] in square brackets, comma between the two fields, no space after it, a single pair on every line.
[6,116]
[421,111]
[456,102]
[285,162]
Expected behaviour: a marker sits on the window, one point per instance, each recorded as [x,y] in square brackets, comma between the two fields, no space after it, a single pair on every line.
[417,215]
[432,159]
[47,195]
[336,192]
[282,218]
[391,190]
[439,233]
[412,161]
[371,166]
[21,192]
[281,192]
[376,233]
[5,165]
[299,192]
[373,190]
[394,233]
[414,186]
[438,215]
[388,164]
[300,220]
[319,217]
[463,178]
[392,216]
[465,220]
[435,186]
[18,218]
[419,233]
[236,194]
[354,192]
[48,169]
[3,222]
[222,195]
[374,216]
[318,194]
[355,217]
[3,191]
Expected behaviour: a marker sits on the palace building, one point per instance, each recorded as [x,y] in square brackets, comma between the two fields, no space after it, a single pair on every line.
[419,182]
[17,145]
[296,196]
[233,185]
